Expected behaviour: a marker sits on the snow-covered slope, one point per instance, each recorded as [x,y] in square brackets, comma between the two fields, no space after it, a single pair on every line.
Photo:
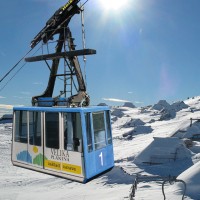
[166,143]
[139,135]
[192,179]
[164,150]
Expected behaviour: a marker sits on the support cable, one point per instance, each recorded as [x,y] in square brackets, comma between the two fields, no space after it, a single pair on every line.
[12,77]
[65,65]
[14,68]
[83,40]
[84,3]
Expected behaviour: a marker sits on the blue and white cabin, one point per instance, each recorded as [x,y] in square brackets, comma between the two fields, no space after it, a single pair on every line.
[74,143]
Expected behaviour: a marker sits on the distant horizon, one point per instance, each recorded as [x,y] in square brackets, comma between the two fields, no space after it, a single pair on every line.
[8,109]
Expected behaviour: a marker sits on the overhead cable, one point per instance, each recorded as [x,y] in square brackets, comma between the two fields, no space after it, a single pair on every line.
[15,66]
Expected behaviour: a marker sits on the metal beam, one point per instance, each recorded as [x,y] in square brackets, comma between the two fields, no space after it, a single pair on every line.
[61,55]
[73,74]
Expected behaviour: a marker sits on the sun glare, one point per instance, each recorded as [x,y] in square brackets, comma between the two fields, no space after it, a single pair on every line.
[114,4]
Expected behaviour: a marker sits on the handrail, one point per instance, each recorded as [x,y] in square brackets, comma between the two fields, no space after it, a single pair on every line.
[171,181]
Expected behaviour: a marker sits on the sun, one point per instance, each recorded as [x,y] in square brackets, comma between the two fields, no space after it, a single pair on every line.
[114,4]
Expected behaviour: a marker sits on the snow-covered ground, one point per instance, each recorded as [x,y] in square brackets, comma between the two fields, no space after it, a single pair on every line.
[154,144]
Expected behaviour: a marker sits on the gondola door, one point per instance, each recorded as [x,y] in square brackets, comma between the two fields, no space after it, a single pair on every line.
[52,152]
[27,141]
[99,152]
[20,138]
[63,144]
[35,138]
[72,150]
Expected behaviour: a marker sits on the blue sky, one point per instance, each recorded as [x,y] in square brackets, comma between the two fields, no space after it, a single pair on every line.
[146,51]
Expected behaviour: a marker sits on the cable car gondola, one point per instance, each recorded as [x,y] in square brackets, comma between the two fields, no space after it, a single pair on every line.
[63,136]
[74,143]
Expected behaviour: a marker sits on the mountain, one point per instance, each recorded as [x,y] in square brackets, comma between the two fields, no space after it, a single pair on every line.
[153,143]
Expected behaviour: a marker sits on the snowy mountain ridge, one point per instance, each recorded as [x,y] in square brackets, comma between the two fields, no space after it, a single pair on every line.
[163,137]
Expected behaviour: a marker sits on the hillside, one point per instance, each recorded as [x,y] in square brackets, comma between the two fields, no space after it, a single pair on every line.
[152,143]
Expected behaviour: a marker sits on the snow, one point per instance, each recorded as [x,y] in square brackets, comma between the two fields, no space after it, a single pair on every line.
[169,111]
[162,104]
[129,105]
[163,150]
[192,179]
[179,105]
[145,147]
[117,113]
[134,123]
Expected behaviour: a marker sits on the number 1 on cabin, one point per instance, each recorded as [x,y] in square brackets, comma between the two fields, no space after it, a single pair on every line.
[101,157]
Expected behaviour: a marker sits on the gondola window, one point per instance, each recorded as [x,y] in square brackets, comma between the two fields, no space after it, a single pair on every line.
[35,128]
[88,131]
[72,132]
[52,130]
[99,130]
[109,136]
[21,133]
